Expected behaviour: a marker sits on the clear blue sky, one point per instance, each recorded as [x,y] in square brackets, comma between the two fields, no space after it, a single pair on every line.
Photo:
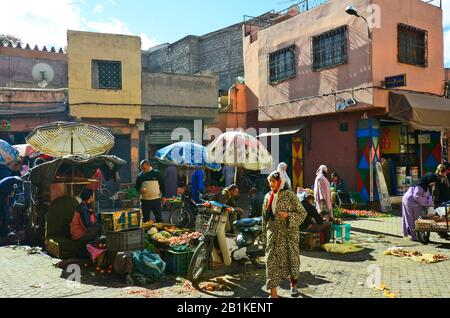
[170,20]
[44,22]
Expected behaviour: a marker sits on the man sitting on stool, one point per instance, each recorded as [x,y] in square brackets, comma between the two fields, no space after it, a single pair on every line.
[313,223]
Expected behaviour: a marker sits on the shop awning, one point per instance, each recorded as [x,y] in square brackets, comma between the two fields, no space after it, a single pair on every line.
[421,111]
[303,130]
[283,131]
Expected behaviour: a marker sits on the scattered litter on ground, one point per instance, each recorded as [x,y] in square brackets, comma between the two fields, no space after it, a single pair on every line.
[144,293]
[416,255]
[386,291]
[342,248]
[212,286]
[36,286]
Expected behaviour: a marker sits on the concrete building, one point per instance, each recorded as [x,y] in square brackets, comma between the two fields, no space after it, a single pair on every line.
[17,65]
[178,106]
[314,72]
[23,109]
[32,90]
[218,53]
[105,89]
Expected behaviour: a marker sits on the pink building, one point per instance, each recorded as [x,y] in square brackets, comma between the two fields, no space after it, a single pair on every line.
[346,99]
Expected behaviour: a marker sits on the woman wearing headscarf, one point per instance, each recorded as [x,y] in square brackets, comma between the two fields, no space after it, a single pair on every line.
[441,193]
[322,192]
[282,215]
[282,169]
[415,201]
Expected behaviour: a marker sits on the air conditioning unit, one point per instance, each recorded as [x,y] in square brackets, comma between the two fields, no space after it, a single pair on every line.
[351,102]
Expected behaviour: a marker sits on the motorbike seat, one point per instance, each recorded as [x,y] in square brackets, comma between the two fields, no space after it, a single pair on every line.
[244,223]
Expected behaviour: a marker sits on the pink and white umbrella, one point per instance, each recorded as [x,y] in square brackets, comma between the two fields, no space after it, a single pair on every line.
[25,150]
[240,150]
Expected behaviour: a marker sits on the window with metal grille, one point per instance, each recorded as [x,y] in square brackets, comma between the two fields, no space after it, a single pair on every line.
[107,75]
[412,45]
[282,65]
[330,48]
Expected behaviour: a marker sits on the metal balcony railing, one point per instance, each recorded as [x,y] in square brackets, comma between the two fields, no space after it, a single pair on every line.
[254,24]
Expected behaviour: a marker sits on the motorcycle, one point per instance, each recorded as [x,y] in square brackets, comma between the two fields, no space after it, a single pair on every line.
[248,245]
[184,215]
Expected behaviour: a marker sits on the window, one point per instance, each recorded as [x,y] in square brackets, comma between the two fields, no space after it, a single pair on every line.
[412,45]
[282,65]
[107,75]
[330,48]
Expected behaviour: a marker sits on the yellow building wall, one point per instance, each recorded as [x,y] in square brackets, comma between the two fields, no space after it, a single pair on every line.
[83,47]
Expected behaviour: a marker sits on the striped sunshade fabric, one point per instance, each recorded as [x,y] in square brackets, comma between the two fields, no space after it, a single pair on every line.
[63,138]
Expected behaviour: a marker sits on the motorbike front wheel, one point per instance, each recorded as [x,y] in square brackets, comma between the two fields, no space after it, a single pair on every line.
[180,218]
[199,262]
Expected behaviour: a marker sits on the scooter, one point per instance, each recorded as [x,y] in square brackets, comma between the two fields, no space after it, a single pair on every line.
[248,245]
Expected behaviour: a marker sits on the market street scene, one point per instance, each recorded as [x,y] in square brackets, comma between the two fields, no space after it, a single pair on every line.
[293,150]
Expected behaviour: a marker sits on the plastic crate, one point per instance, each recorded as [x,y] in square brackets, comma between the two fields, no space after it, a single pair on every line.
[177,262]
[125,241]
[342,232]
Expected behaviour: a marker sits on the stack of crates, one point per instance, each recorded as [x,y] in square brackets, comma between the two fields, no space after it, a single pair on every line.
[123,230]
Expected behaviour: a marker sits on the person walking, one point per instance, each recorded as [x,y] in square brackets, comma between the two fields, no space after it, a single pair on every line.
[322,193]
[171,181]
[150,185]
[228,174]
[415,202]
[282,215]
[282,168]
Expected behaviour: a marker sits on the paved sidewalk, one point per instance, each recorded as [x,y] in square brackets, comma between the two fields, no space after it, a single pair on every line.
[323,274]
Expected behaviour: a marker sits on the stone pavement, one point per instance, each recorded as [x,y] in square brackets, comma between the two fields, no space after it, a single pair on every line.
[323,275]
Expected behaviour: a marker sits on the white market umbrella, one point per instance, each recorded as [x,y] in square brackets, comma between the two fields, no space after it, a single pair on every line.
[240,150]
[60,139]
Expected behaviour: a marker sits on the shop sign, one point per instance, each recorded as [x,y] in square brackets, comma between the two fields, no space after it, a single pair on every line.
[390,139]
[5,125]
[395,81]
[424,139]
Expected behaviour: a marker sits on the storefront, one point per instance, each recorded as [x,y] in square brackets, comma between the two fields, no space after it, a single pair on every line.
[412,138]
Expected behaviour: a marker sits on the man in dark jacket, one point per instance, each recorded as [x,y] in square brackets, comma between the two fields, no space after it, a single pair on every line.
[314,222]
[228,197]
[9,187]
[151,186]
[5,171]
[256,201]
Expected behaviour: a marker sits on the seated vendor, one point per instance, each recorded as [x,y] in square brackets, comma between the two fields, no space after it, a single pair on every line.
[84,225]
[228,196]
[313,222]
[337,186]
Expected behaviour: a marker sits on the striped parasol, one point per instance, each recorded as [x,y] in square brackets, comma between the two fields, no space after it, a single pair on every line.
[63,138]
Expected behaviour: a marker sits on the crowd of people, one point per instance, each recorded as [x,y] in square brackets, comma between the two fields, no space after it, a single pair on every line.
[284,213]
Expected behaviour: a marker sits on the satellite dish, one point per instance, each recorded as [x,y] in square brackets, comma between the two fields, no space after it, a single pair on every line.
[341,105]
[43,74]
